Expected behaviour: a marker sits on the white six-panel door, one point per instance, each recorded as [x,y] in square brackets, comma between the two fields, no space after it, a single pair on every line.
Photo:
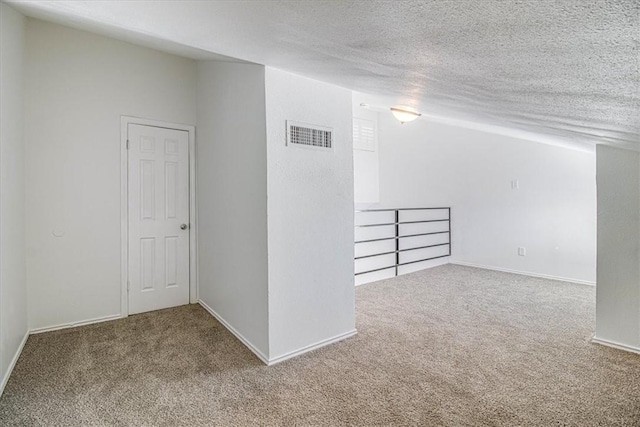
[158,193]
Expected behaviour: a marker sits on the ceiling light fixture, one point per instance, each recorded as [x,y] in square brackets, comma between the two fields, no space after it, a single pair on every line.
[405,114]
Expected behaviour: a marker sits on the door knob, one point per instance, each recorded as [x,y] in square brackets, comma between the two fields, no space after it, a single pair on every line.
[183,226]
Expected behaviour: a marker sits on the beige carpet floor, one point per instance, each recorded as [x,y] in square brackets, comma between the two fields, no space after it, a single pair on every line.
[453,346]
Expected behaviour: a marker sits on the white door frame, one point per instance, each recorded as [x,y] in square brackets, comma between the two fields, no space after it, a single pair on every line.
[124,205]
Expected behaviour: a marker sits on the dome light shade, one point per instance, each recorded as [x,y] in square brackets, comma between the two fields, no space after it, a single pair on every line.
[405,114]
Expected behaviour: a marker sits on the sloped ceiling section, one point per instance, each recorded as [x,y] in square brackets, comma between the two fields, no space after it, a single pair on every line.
[566,68]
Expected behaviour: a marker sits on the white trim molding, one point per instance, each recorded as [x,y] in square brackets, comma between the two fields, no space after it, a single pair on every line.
[525,273]
[35,331]
[273,361]
[124,200]
[76,324]
[237,334]
[312,347]
[12,365]
[423,265]
[616,345]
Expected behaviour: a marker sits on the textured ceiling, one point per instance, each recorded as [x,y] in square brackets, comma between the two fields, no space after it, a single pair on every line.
[566,68]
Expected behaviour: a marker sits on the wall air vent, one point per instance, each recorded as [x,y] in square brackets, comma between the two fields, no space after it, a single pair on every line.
[309,136]
[364,134]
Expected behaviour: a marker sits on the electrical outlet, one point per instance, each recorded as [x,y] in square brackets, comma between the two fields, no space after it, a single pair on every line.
[515,184]
[522,251]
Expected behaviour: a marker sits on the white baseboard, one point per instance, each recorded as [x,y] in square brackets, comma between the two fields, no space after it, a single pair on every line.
[374,281]
[614,344]
[525,273]
[282,358]
[432,264]
[246,342]
[12,365]
[312,347]
[75,324]
[5,379]
[237,334]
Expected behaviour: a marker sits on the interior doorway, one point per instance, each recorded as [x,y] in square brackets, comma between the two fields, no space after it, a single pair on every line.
[158,215]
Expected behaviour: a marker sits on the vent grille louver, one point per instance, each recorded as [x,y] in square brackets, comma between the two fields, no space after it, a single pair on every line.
[364,134]
[310,136]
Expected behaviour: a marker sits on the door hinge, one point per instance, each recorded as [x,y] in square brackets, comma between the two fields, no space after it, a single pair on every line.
[128,285]
[127,144]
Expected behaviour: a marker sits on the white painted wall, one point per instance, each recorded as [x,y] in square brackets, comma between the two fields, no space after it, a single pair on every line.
[552,214]
[232,197]
[310,209]
[73,188]
[13,289]
[77,87]
[618,292]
